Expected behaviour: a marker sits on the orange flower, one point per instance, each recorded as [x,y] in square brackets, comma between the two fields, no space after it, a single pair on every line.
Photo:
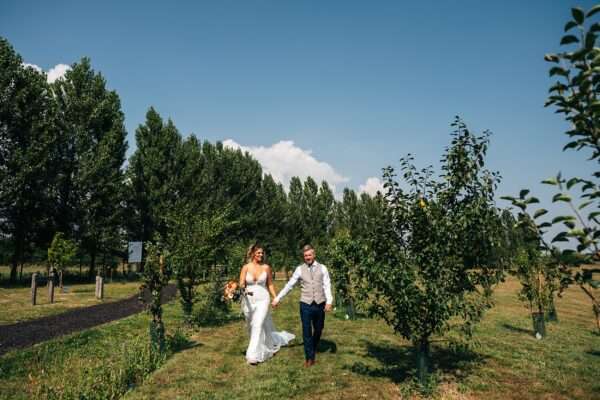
[229,292]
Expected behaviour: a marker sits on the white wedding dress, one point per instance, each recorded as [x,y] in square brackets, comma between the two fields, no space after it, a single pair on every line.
[264,340]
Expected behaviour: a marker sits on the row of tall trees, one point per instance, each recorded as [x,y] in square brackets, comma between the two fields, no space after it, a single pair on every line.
[63,169]
[62,148]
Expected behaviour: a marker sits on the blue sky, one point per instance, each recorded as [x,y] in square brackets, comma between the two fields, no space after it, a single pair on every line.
[359,84]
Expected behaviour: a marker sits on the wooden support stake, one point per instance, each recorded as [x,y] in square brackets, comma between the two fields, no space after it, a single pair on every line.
[51,287]
[34,288]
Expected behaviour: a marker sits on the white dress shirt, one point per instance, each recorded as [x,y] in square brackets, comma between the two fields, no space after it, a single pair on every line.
[297,275]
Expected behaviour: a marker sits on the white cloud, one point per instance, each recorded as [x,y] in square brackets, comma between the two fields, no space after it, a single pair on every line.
[56,72]
[284,159]
[371,186]
[37,68]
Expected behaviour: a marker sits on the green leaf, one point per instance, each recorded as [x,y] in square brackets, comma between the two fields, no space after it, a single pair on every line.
[508,198]
[593,215]
[584,205]
[561,237]
[571,145]
[558,87]
[539,213]
[562,218]
[551,58]
[595,106]
[558,71]
[594,284]
[595,27]
[544,225]
[523,193]
[551,181]
[532,200]
[572,182]
[568,39]
[590,39]
[570,25]
[593,10]
[561,197]
[520,204]
[576,232]
[578,15]
[569,224]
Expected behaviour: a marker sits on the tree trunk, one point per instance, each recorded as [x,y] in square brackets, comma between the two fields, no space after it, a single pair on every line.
[34,288]
[423,361]
[551,315]
[15,261]
[539,326]
[92,271]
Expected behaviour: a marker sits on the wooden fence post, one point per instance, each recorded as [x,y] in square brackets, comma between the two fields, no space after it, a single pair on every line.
[34,288]
[51,287]
[99,287]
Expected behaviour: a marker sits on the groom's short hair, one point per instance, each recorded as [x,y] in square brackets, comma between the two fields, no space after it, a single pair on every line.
[307,248]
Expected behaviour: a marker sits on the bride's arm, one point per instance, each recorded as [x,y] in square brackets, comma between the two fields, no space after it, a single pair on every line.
[270,282]
[243,277]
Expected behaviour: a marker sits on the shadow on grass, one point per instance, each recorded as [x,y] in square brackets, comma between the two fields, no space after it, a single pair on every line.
[594,353]
[327,346]
[398,363]
[179,342]
[517,329]
[215,317]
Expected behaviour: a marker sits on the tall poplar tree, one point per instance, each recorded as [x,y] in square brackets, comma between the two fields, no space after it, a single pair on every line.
[27,143]
[153,173]
[92,180]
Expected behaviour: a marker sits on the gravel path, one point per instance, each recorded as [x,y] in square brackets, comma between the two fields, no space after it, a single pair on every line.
[28,333]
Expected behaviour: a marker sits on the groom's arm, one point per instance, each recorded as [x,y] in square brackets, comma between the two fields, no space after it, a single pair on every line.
[327,287]
[288,286]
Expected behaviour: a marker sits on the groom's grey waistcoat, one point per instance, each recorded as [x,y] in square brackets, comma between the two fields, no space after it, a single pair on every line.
[312,284]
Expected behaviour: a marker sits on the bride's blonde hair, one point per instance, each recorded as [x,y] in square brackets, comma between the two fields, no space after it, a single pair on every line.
[253,249]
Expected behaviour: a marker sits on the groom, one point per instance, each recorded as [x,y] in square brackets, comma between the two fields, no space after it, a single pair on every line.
[315,299]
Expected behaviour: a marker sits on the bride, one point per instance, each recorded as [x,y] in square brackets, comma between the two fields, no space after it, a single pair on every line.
[256,278]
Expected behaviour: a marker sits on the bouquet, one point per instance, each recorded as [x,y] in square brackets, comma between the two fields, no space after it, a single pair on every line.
[233,292]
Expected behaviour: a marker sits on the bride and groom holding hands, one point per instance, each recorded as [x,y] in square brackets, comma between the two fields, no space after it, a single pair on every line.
[256,278]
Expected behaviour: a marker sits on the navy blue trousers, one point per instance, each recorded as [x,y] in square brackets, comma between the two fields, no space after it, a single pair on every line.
[313,321]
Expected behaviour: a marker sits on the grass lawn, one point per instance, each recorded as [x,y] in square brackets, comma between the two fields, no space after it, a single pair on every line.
[15,303]
[358,359]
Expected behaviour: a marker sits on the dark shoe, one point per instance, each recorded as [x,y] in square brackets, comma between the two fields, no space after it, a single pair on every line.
[307,364]
[312,362]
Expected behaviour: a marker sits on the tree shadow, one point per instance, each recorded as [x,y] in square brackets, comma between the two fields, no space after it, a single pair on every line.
[594,352]
[179,341]
[517,329]
[216,321]
[326,346]
[398,363]
[213,316]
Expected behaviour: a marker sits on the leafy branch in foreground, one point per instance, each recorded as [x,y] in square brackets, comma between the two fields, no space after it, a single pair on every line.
[576,95]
